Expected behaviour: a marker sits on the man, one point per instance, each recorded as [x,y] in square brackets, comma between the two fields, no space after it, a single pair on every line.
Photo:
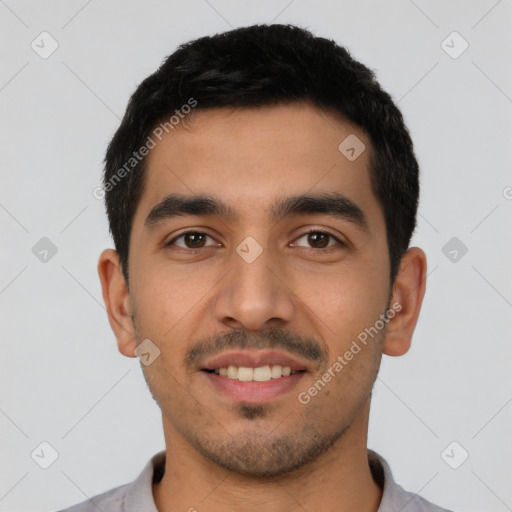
[262,193]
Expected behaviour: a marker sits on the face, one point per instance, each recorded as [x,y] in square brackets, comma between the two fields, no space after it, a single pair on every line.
[253,277]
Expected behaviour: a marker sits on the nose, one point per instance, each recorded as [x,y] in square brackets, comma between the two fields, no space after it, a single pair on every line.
[254,295]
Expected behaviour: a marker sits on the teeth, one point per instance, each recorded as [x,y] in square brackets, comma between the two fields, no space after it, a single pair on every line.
[245,374]
[232,372]
[260,374]
[276,371]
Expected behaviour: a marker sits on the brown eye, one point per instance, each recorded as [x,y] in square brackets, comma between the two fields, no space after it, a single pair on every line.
[191,240]
[319,240]
[194,240]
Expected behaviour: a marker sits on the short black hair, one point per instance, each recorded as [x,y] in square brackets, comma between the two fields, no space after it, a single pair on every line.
[255,66]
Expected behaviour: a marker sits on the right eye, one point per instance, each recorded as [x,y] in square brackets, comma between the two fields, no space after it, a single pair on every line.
[191,240]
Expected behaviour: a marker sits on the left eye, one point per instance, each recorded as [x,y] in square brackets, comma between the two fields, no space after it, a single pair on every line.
[191,240]
[319,239]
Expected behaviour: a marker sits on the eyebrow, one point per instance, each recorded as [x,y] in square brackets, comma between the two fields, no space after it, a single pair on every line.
[333,204]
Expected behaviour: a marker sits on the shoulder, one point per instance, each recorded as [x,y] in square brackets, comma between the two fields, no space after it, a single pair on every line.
[394,496]
[414,503]
[112,500]
[136,495]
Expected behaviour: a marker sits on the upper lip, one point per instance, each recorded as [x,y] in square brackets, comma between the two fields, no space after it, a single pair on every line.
[252,359]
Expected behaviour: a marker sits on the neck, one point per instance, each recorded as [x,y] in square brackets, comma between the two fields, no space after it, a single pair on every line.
[339,479]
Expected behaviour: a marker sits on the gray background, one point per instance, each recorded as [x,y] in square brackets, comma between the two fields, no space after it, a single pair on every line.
[62,380]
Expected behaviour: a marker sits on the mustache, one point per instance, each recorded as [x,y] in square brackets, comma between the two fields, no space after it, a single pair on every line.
[269,338]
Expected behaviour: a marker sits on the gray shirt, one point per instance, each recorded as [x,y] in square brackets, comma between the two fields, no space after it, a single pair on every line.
[138,496]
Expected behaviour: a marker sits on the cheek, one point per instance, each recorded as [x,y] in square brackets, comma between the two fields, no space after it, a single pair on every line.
[343,303]
[164,296]
[336,396]
[167,303]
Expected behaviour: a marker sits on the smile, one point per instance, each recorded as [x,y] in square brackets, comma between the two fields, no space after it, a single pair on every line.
[259,374]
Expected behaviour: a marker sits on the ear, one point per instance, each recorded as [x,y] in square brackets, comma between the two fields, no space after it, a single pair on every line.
[408,293]
[118,301]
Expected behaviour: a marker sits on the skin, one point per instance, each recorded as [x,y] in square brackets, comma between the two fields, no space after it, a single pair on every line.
[218,451]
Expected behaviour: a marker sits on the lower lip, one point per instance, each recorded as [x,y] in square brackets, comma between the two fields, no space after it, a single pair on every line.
[253,392]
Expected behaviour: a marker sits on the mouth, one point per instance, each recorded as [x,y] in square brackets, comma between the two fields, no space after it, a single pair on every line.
[259,374]
[253,377]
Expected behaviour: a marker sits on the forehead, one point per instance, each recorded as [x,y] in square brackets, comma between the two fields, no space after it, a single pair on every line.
[248,157]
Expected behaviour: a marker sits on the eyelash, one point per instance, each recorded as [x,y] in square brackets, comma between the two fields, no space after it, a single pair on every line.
[315,231]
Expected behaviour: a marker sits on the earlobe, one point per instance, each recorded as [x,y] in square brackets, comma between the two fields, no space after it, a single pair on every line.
[117,301]
[408,293]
